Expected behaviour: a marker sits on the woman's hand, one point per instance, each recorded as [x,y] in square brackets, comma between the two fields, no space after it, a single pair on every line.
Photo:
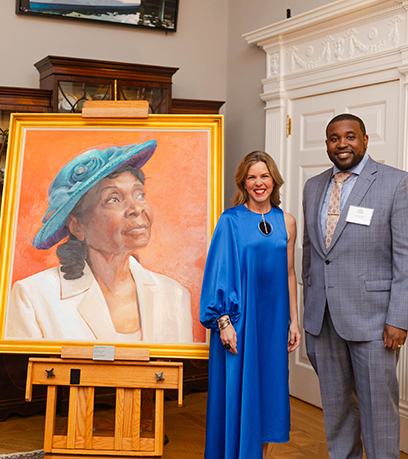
[229,336]
[294,332]
[294,337]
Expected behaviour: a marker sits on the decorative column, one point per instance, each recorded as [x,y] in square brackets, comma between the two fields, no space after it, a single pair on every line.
[275,111]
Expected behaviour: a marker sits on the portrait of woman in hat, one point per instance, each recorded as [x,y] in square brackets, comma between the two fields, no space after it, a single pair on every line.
[99,214]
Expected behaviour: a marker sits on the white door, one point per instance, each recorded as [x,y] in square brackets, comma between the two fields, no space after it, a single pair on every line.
[378,107]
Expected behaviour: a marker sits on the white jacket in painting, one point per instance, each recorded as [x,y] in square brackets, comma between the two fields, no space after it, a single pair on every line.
[48,306]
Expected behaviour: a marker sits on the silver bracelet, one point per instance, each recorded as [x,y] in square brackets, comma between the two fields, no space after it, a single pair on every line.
[223,323]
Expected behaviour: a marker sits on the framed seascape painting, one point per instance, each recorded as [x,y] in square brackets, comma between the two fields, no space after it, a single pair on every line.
[105,226]
[156,14]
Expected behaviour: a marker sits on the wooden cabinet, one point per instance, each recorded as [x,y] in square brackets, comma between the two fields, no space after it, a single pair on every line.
[24,100]
[74,81]
[13,368]
[195,107]
[18,100]
[13,372]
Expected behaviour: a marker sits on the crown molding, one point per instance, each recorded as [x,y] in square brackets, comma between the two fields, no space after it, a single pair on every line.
[273,34]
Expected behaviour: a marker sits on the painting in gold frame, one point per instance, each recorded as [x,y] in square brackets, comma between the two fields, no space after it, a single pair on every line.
[41,310]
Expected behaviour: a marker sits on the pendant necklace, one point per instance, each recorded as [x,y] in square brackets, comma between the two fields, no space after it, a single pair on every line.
[265,227]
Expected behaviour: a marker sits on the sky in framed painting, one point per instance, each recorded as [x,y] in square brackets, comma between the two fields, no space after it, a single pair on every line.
[159,14]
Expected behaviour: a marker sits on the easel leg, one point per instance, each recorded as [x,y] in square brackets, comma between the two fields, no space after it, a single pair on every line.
[159,423]
[50,415]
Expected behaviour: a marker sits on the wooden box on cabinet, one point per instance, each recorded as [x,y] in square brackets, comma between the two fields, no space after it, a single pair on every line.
[74,81]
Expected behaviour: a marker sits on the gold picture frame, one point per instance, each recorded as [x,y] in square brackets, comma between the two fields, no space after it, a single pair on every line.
[184,185]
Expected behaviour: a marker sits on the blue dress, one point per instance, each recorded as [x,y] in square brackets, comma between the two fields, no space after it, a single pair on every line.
[246,277]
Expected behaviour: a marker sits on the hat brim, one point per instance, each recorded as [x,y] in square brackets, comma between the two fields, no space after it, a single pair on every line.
[54,229]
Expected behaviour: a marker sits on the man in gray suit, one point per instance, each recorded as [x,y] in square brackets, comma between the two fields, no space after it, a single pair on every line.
[355,277]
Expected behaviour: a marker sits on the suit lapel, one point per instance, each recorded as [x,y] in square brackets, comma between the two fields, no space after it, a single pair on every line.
[95,312]
[92,305]
[147,295]
[364,181]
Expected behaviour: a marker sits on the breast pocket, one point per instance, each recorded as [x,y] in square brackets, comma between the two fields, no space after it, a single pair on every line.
[381,285]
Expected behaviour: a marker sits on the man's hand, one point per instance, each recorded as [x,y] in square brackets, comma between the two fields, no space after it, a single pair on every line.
[394,338]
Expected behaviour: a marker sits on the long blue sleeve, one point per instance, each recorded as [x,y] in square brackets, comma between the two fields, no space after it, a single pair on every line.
[221,289]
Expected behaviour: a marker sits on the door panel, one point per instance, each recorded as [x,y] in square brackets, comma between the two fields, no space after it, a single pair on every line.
[378,107]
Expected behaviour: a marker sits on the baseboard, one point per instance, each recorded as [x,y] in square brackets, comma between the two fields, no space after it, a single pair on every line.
[404,434]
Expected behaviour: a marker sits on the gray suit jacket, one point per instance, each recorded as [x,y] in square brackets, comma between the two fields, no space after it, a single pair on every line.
[363,275]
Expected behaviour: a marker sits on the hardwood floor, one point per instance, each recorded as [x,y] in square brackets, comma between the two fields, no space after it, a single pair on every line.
[185,428]
[307,438]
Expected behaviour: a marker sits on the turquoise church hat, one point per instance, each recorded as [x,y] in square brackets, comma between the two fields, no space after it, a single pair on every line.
[79,176]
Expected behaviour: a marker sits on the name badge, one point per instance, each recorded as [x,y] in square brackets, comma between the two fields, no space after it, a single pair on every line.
[360,215]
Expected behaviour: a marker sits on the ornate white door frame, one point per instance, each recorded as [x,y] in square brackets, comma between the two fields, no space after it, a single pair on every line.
[344,45]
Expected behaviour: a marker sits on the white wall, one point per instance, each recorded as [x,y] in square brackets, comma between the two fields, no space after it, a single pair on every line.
[246,67]
[198,47]
[215,61]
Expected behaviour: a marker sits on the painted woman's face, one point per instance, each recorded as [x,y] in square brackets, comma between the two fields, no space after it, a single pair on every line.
[116,217]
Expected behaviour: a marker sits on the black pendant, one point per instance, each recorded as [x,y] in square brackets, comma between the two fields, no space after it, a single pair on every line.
[265,227]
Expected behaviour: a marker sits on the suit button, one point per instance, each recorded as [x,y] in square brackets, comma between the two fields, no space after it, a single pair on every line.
[327,262]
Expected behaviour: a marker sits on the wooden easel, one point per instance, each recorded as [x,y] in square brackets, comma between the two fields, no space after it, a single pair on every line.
[129,374]
[83,375]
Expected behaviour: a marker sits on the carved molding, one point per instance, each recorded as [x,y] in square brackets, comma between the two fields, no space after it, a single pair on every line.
[345,46]
[323,58]
[274,64]
[299,26]
[355,20]
[274,98]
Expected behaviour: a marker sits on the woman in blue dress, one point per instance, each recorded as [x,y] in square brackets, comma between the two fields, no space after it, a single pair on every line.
[249,302]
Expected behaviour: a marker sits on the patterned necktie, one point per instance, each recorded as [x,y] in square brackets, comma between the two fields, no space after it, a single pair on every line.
[334,205]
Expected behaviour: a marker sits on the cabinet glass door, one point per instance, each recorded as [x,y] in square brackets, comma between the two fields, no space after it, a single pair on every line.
[157,97]
[72,96]
[4,126]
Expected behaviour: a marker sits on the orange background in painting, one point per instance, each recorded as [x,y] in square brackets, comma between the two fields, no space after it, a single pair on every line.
[176,189]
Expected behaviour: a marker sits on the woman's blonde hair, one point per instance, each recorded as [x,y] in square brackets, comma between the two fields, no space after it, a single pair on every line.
[241,196]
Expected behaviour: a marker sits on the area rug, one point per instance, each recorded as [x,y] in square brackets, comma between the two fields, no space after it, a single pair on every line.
[38,454]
